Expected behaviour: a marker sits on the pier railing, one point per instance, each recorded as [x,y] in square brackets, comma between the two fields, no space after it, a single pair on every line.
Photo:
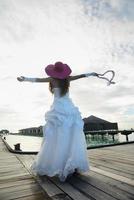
[105,136]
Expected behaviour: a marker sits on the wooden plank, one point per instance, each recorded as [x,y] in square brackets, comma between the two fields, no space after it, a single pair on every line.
[123,148]
[16,182]
[9,169]
[112,170]
[6,157]
[113,159]
[89,190]
[7,163]
[113,182]
[37,196]
[100,184]
[18,194]
[112,175]
[114,165]
[17,178]
[20,187]
[117,152]
[71,191]
[119,168]
[110,154]
[51,189]
[6,177]
[13,171]
[112,150]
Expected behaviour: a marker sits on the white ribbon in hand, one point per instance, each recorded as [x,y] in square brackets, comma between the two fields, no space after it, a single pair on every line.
[102,76]
[109,80]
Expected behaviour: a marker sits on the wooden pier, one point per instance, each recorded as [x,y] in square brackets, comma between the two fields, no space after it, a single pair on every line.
[111,177]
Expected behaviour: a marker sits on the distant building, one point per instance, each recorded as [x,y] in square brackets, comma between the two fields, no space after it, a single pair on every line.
[34,131]
[4,131]
[93,123]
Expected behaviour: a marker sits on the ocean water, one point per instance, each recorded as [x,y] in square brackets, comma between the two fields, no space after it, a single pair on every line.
[122,138]
[27,143]
[33,143]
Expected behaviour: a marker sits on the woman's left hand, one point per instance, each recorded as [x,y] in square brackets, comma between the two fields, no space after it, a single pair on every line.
[21,78]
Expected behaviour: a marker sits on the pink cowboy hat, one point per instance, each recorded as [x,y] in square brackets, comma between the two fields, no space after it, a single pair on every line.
[58,70]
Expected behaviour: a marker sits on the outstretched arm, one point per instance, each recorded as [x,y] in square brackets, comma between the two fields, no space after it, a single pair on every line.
[22,78]
[72,78]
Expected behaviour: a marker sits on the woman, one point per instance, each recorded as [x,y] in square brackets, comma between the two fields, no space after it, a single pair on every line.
[63,151]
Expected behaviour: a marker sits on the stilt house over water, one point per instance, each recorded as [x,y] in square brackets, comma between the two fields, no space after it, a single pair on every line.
[93,123]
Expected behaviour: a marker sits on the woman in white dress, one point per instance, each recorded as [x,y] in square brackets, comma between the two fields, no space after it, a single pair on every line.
[63,150]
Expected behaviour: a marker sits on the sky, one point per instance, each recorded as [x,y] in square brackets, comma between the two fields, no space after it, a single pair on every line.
[88,35]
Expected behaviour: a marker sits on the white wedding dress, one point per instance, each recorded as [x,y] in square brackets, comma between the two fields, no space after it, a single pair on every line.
[64,147]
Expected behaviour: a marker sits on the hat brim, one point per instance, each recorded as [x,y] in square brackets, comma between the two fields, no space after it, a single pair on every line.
[61,75]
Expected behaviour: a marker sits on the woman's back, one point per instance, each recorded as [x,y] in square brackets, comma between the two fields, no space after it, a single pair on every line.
[62,84]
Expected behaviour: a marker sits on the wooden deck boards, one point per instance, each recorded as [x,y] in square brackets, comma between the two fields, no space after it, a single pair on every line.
[15,180]
[111,177]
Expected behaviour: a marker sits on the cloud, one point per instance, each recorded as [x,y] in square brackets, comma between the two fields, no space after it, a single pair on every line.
[110,9]
[15,21]
[89,35]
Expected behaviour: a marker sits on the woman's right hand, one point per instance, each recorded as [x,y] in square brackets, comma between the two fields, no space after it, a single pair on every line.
[21,78]
[91,74]
[94,74]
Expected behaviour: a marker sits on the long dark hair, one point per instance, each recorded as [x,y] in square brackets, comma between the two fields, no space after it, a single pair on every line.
[63,84]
